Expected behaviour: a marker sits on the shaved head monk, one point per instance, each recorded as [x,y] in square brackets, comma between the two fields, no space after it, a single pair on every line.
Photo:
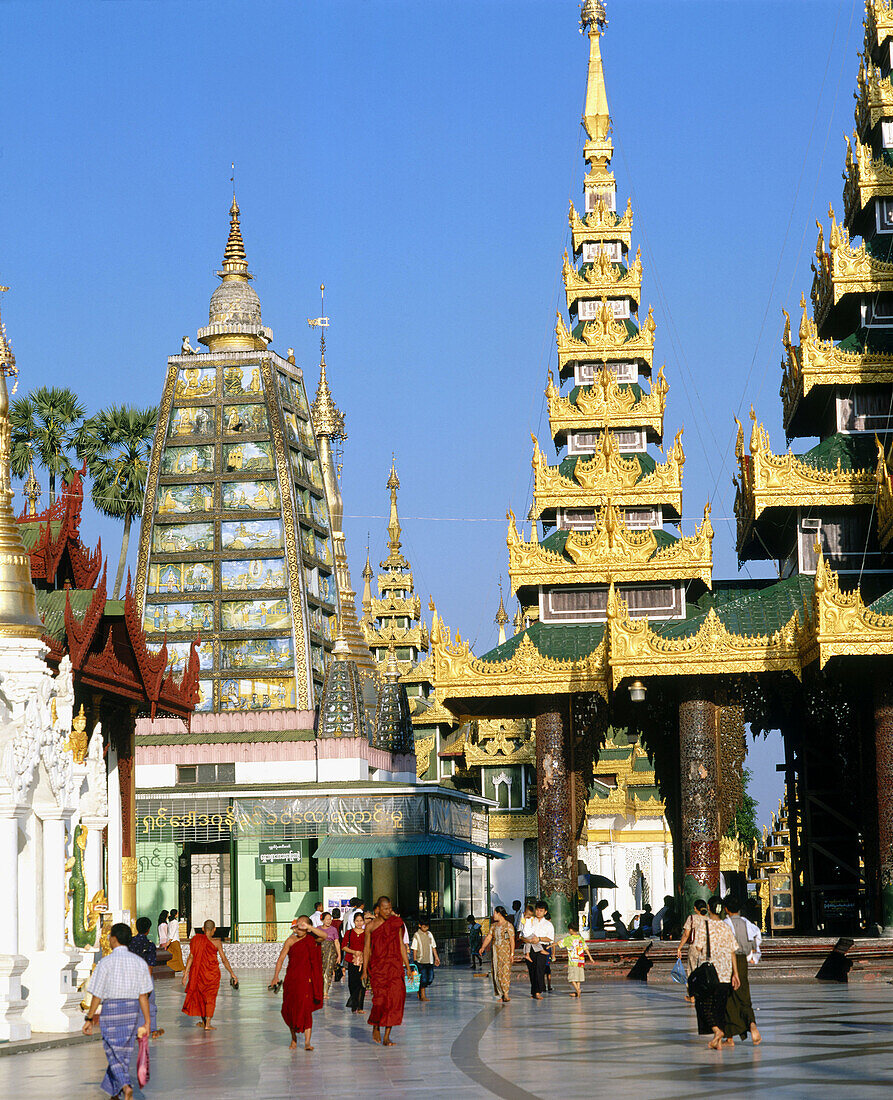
[202,975]
[385,961]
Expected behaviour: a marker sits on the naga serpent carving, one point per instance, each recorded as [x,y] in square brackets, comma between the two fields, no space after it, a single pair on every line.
[84,917]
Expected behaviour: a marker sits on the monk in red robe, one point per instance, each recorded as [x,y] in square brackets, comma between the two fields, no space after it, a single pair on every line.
[202,975]
[302,991]
[385,961]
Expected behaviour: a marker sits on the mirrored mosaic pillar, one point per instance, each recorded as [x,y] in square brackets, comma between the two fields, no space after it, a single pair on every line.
[698,770]
[557,859]
[883,746]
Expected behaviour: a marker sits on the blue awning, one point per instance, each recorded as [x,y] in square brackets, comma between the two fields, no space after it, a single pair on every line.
[389,847]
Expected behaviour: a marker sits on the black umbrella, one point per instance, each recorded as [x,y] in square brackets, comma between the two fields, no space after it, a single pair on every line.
[596,882]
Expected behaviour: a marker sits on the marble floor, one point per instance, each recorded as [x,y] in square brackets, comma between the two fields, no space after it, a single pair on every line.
[620,1040]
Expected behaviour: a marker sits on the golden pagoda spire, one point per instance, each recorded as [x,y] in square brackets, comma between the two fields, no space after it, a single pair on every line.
[327,418]
[234,317]
[596,118]
[235,260]
[32,491]
[392,672]
[367,584]
[393,484]
[501,615]
[18,600]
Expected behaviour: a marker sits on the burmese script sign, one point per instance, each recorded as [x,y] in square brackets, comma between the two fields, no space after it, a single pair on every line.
[279,851]
[298,818]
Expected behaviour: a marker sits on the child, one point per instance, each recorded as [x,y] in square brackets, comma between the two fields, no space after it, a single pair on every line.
[424,955]
[575,945]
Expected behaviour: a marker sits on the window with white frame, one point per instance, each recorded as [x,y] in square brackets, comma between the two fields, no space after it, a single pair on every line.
[584,373]
[659,601]
[614,249]
[866,410]
[884,214]
[608,197]
[887,133]
[642,519]
[588,308]
[877,311]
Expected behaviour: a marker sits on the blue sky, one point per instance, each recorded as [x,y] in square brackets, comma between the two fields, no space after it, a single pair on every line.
[419,159]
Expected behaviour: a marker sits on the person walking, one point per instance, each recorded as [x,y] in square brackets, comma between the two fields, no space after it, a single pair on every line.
[316,915]
[302,991]
[384,962]
[172,944]
[424,955]
[502,938]
[693,958]
[475,938]
[575,946]
[330,950]
[141,945]
[716,945]
[354,942]
[740,1018]
[122,983]
[538,935]
[201,978]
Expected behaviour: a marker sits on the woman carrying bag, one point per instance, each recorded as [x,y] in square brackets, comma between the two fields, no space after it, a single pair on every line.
[713,979]
[694,957]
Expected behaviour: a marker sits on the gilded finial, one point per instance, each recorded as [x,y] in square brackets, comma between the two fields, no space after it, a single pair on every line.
[392,672]
[7,359]
[235,259]
[593,16]
[501,615]
[32,491]
[327,417]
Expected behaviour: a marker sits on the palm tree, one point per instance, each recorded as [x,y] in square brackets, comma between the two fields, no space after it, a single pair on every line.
[116,444]
[45,426]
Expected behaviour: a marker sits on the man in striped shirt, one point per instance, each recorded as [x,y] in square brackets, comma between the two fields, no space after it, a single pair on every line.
[123,982]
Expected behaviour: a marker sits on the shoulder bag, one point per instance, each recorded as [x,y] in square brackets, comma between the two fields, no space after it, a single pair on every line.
[703,980]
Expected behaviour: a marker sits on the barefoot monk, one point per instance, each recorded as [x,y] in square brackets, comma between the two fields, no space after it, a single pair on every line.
[385,961]
[202,975]
[302,992]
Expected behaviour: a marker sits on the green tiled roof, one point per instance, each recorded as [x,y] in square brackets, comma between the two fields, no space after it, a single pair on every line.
[51,608]
[854,452]
[558,538]
[30,532]
[558,641]
[646,464]
[883,605]
[574,394]
[244,738]
[584,268]
[761,612]
[879,340]
[631,327]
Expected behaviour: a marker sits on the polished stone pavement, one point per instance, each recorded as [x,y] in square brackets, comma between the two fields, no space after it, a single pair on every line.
[620,1040]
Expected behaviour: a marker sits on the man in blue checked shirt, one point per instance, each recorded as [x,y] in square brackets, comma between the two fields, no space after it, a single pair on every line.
[122,982]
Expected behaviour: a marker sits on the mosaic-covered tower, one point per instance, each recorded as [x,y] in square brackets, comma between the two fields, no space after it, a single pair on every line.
[235,543]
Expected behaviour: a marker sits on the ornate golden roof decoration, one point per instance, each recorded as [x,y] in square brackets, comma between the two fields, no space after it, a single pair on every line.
[609,475]
[884,498]
[458,673]
[325,414]
[608,404]
[845,269]
[636,651]
[601,277]
[816,362]
[605,338]
[839,624]
[766,480]
[874,96]
[865,178]
[611,552]
[500,742]
[878,23]
[601,224]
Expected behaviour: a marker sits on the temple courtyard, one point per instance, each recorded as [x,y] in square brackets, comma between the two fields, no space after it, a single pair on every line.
[620,1040]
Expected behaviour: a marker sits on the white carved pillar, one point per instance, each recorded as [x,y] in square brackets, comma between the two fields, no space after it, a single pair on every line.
[13,1024]
[115,835]
[53,880]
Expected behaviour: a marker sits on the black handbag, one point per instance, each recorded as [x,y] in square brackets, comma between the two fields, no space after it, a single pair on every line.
[703,980]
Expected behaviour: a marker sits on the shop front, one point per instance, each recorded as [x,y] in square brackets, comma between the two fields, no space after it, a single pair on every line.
[251,861]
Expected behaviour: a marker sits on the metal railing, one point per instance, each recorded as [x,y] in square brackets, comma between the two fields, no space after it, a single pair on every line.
[443,929]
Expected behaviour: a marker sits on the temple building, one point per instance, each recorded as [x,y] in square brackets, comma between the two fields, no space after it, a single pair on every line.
[249,812]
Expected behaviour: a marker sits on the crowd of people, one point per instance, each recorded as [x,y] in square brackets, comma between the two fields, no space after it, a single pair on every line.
[373,949]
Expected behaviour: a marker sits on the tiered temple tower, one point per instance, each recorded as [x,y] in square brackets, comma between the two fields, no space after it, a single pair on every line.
[395,617]
[235,543]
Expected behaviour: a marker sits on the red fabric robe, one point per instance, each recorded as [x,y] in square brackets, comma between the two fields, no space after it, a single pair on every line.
[302,986]
[204,977]
[386,974]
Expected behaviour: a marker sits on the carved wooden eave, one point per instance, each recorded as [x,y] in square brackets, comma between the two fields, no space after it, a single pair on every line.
[604,339]
[878,23]
[636,651]
[874,97]
[840,625]
[49,549]
[865,178]
[495,744]
[816,362]
[610,552]
[601,224]
[884,500]
[602,278]
[608,476]
[608,404]
[766,480]
[845,269]
[461,675]
[435,715]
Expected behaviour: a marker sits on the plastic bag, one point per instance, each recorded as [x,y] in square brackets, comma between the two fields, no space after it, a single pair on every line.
[142,1061]
[413,983]
[678,974]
